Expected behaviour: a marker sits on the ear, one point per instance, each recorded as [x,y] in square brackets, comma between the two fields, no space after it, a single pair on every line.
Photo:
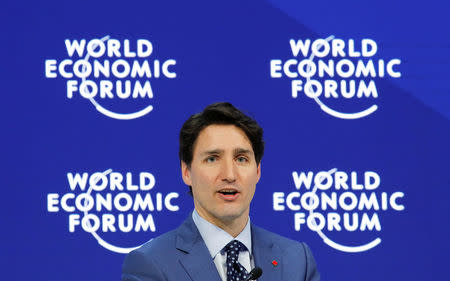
[186,173]
[258,171]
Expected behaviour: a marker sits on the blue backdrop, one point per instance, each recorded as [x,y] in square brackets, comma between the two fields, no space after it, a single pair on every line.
[232,51]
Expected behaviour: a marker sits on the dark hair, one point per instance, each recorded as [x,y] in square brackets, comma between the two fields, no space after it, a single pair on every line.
[219,113]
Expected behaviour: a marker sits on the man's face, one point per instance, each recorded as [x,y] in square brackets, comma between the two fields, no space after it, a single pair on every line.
[223,174]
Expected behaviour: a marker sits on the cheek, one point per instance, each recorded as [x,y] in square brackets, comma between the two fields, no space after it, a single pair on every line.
[250,179]
[204,180]
[251,192]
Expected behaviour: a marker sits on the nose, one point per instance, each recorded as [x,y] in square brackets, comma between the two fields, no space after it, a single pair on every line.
[228,173]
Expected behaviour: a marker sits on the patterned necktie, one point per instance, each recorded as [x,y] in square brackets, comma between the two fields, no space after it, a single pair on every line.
[235,271]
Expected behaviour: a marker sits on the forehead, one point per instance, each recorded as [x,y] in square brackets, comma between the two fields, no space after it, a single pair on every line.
[221,137]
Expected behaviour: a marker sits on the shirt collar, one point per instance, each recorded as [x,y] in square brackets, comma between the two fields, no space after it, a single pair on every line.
[216,238]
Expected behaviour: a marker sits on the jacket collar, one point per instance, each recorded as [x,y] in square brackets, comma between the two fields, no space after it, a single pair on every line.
[197,261]
[199,265]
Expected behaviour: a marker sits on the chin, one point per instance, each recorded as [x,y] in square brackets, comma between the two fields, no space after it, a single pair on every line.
[230,215]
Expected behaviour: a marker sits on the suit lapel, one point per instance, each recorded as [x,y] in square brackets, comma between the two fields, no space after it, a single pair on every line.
[265,253]
[197,261]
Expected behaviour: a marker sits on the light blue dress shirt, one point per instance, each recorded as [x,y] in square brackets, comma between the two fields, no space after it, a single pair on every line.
[216,238]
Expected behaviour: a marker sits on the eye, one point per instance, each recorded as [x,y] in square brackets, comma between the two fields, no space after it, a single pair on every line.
[242,159]
[211,159]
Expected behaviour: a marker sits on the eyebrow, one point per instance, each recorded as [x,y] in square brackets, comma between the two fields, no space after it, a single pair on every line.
[220,151]
[214,151]
[241,151]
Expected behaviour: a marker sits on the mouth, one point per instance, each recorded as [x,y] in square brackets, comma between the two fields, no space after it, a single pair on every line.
[228,194]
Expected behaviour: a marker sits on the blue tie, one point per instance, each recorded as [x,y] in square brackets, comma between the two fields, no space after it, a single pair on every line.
[235,271]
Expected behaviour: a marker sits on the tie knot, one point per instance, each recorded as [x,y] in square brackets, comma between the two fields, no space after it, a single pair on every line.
[234,247]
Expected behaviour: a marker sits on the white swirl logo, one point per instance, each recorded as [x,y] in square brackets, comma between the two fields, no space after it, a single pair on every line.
[111,71]
[335,59]
[111,204]
[336,201]
[88,225]
[328,241]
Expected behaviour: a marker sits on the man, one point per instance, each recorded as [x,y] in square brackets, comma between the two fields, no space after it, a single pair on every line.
[220,152]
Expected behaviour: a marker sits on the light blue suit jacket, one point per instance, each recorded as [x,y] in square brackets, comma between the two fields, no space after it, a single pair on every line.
[182,255]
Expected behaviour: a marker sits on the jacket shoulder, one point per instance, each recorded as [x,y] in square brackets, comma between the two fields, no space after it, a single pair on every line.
[151,260]
[297,255]
[160,244]
[281,242]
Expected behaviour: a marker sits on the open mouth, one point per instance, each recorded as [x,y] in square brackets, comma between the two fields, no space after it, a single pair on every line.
[228,192]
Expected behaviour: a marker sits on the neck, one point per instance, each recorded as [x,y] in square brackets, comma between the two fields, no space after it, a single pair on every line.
[232,226]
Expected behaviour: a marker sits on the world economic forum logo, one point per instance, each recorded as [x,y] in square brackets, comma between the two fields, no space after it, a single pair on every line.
[114,75]
[337,72]
[340,205]
[109,204]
